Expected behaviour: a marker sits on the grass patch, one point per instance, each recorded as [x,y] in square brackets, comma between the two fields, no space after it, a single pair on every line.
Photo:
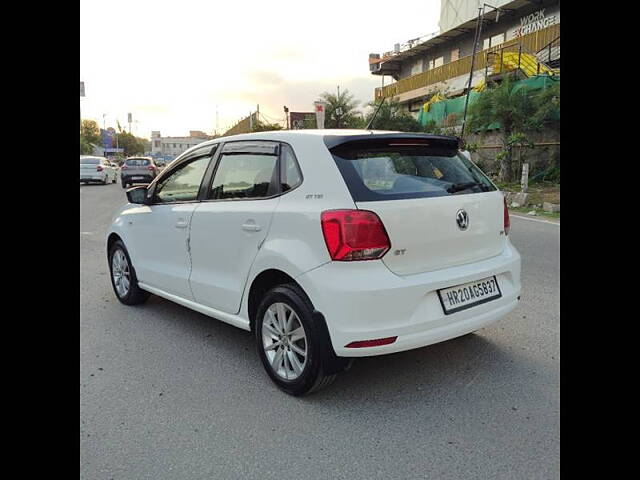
[538,192]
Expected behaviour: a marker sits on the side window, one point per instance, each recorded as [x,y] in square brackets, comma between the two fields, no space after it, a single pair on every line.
[245,175]
[290,172]
[182,184]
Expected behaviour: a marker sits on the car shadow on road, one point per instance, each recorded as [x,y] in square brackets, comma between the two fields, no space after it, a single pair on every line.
[421,374]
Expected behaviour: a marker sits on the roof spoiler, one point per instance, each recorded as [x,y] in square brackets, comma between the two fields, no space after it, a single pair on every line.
[382,140]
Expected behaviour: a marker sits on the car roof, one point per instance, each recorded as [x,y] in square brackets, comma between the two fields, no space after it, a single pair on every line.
[285,135]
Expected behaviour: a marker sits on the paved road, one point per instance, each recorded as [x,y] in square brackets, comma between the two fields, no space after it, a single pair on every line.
[167,393]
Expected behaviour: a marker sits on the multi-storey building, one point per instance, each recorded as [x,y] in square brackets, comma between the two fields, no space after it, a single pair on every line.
[516,35]
[171,147]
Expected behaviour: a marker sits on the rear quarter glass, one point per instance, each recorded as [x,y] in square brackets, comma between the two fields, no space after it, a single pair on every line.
[402,168]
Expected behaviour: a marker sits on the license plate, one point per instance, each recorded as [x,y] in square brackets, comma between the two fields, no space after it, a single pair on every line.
[467,295]
[137,178]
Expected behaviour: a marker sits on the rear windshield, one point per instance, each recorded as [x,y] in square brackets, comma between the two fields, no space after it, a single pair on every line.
[89,161]
[399,172]
[137,162]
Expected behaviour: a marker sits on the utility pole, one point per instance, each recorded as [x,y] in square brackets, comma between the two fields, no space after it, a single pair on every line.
[216,132]
[476,41]
[338,111]
[81,95]
[286,116]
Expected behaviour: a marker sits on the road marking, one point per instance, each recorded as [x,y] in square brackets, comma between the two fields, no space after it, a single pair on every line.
[86,233]
[534,219]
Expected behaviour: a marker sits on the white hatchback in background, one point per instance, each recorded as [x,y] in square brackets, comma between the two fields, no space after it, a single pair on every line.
[326,244]
[96,169]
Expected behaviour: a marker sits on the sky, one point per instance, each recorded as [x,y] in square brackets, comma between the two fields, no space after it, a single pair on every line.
[173,63]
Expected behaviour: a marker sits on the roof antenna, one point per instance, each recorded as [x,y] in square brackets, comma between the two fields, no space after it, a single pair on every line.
[370,124]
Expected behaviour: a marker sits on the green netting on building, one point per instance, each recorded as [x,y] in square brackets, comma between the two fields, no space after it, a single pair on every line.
[439,111]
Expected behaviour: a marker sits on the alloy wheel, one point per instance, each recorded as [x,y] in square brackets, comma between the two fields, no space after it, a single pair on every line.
[121,273]
[284,341]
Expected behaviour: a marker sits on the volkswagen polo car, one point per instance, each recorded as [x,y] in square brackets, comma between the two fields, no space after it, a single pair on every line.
[326,244]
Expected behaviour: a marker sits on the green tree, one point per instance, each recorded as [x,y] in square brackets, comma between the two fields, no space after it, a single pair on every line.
[89,134]
[547,105]
[514,109]
[265,127]
[341,110]
[131,144]
[391,116]
[85,147]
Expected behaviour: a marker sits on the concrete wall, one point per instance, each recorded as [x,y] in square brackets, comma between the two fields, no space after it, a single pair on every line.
[540,157]
[457,12]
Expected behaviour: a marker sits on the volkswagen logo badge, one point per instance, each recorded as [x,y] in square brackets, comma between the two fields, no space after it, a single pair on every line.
[462,219]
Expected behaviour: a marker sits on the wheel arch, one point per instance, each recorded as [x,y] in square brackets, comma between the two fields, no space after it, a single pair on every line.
[111,239]
[261,284]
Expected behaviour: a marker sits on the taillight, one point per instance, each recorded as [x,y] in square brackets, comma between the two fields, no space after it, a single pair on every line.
[354,235]
[507,220]
[151,167]
[99,168]
[123,167]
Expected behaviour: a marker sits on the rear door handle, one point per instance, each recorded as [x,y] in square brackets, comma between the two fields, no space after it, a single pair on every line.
[250,226]
[182,223]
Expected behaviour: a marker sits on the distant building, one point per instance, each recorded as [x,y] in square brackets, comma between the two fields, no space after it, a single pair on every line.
[523,37]
[173,146]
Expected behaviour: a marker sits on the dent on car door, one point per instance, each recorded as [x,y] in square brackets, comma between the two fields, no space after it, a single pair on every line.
[229,226]
[162,229]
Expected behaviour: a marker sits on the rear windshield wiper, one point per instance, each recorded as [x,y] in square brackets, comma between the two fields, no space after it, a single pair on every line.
[458,187]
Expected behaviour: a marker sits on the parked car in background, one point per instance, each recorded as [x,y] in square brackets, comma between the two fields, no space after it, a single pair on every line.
[138,170]
[326,244]
[96,169]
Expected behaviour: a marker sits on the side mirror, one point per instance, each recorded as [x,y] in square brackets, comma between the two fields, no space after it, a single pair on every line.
[137,195]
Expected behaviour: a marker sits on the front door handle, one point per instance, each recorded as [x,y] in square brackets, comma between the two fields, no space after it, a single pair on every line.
[182,223]
[251,226]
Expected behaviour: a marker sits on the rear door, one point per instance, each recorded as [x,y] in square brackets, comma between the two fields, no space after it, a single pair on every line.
[438,208]
[232,221]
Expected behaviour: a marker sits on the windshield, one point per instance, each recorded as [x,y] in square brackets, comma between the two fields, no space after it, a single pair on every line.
[397,173]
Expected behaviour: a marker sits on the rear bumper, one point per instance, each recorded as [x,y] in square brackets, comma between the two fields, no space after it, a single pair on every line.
[94,177]
[366,301]
[142,179]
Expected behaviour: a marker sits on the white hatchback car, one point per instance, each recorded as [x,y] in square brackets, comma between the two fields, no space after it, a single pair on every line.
[326,244]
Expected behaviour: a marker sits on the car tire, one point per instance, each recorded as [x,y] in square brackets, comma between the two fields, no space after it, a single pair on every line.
[311,377]
[132,294]
[115,179]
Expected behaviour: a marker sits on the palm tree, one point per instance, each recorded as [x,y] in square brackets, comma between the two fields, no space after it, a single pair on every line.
[509,108]
[340,111]
[391,116]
